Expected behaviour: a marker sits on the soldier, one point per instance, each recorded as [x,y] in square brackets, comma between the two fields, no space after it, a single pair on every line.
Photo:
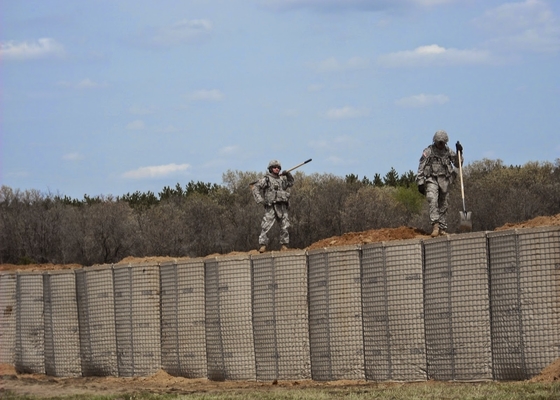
[272,192]
[435,173]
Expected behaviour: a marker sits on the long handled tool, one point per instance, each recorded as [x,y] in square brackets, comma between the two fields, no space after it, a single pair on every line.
[466,216]
[297,166]
[286,171]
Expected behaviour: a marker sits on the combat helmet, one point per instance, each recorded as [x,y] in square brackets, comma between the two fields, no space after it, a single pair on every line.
[274,163]
[441,136]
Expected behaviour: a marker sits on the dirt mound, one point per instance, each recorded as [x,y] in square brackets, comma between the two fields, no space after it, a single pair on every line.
[549,374]
[371,236]
[533,223]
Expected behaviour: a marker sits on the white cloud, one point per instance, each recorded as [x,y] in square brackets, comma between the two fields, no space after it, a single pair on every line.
[422,100]
[229,149]
[346,112]
[206,95]
[331,64]
[434,55]
[73,156]
[156,171]
[182,32]
[42,48]
[83,84]
[136,125]
[528,26]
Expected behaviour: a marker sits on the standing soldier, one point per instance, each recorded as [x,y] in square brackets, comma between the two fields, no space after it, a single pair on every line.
[272,192]
[435,173]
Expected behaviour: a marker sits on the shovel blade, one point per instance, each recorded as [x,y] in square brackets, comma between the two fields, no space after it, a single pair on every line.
[466,221]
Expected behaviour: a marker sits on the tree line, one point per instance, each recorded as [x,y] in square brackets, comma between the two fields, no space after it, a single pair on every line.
[200,218]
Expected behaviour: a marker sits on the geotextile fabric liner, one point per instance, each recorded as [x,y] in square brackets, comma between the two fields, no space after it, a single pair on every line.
[183,334]
[96,316]
[137,319]
[392,302]
[229,327]
[7,318]
[525,288]
[30,328]
[456,306]
[335,314]
[280,316]
[62,336]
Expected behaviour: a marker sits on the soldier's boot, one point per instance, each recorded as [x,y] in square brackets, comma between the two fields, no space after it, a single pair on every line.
[442,232]
[262,249]
[435,231]
[283,248]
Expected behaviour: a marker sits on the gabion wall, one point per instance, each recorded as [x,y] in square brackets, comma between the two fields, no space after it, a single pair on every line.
[30,327]
[467,307]
[525,307]
[456,308]
[280,316]
[335,314]
[7,318]
[183,333]
[62,337]
[393,311]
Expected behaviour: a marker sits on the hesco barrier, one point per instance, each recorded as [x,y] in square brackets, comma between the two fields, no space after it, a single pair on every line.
[525,300]
[62,337]
[7,318]
[183,334]
[456,308]
[280,316]
[393,311]
[468,307]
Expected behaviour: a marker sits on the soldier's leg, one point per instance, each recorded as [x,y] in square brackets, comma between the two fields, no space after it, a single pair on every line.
[284,225]
[266,223]
[443,204]
[432,196]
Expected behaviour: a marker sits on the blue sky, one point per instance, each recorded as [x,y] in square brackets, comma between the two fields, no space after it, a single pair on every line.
[107,97]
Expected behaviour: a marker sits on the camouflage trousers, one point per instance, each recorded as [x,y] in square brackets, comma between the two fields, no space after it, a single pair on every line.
[275,213]
[437,195]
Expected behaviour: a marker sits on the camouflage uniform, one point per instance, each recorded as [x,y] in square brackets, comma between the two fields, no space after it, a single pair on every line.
[435,173]
[272,192]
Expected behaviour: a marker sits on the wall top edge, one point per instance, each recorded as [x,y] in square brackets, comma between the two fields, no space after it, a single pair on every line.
[523,231]
[334,249]
[279,254]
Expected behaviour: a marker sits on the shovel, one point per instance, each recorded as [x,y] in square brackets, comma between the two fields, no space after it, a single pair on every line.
[466,221]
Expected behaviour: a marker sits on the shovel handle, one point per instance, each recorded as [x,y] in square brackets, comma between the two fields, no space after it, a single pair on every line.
[461,178]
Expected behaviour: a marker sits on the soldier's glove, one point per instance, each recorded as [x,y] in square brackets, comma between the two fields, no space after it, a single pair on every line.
[289,176]
[459,147]
[422,189]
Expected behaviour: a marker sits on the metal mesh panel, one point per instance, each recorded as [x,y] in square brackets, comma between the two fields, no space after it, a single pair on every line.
[392,301]
[137,319]
[525,282]
[62,337]
[30,345]
[456,302]
[183,337]
[7,318]
[214,347]
[280,318]
[229,329]
[335,314]
[96,316]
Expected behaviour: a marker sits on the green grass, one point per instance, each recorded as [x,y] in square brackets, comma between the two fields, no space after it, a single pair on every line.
[414,391]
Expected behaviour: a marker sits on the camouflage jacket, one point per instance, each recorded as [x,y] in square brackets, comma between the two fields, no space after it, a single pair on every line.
[272,189]
[436,163]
